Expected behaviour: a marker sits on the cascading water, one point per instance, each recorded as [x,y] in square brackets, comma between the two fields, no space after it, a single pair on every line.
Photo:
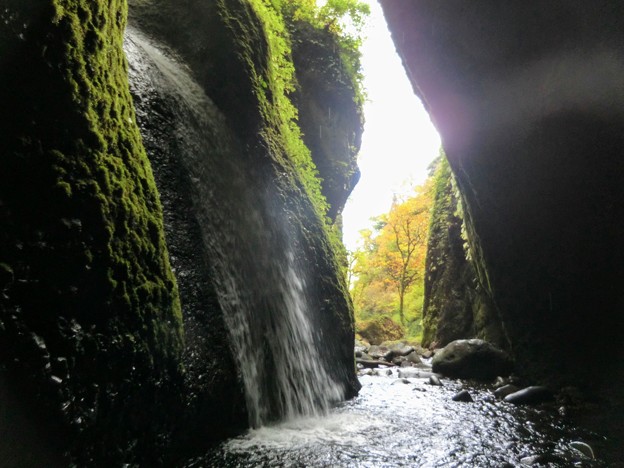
[251,247]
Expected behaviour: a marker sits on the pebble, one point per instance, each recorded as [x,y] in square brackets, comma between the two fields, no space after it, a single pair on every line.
[542,459]
[584,448]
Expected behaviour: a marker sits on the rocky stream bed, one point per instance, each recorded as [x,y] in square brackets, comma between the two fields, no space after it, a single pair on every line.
[411,416]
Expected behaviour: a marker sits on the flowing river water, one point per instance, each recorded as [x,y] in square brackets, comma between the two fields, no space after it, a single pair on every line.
[408,422]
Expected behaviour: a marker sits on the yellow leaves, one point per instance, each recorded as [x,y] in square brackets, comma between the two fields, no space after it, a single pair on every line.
[391,261]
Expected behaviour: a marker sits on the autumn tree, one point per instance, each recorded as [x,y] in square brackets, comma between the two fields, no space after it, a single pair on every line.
[390,261]
[403,244]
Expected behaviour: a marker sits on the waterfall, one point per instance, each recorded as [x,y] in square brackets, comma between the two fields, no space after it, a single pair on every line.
[250,245]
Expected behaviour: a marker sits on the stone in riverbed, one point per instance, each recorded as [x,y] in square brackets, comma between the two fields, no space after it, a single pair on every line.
[380,352]
[399,360]
[543,459]
[530,396]
[583,449]
[471,359]
[401,349]
[505,390]
[464,396]
[360,348]
[414,358]
[435,381]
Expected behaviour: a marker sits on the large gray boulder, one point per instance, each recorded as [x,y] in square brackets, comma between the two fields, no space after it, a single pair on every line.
[471,359]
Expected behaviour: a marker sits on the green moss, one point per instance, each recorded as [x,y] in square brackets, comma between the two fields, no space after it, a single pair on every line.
[263,45]
[272,79]
[456,304]
[449,278]
[83,220]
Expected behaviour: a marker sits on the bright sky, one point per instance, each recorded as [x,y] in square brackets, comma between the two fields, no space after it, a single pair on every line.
[399,140]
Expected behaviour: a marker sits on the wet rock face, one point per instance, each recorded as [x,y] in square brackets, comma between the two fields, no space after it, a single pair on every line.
[528,101]
[224,45]
[167,138]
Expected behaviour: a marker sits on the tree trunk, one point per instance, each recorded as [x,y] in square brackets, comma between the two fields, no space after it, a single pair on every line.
[401,296]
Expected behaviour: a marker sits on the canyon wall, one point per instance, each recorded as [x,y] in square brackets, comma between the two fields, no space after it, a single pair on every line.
[146,196]
[529,103]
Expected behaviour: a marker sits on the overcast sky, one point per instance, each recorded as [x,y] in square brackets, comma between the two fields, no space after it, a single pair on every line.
[399,140]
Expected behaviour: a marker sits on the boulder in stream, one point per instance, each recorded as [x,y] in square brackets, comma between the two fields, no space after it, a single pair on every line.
[502,392]
[380,352]
[398,348]
[472,359]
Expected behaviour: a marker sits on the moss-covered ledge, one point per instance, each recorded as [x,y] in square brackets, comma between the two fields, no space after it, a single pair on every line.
[89,313]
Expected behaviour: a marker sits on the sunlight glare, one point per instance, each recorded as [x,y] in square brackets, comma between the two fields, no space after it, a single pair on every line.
[399,140]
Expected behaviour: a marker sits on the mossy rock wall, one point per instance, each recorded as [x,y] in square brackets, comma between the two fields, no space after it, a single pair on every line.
[528,100]
[331,121]
[91,333]
[90,326]
[456,305]
[228,46]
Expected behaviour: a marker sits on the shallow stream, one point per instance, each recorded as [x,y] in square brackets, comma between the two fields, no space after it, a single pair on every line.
[408,422]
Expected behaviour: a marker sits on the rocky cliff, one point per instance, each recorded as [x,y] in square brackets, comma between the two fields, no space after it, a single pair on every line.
[528,100]
[103,357]
[455,304]
[332,126]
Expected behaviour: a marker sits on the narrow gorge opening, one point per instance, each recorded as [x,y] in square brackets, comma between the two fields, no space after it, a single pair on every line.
[174,290]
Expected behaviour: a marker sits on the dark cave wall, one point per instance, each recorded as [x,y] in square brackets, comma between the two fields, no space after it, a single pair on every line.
[528,99]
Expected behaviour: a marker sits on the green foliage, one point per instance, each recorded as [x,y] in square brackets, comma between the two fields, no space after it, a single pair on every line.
[379,329]
[273,79]
[344,19]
